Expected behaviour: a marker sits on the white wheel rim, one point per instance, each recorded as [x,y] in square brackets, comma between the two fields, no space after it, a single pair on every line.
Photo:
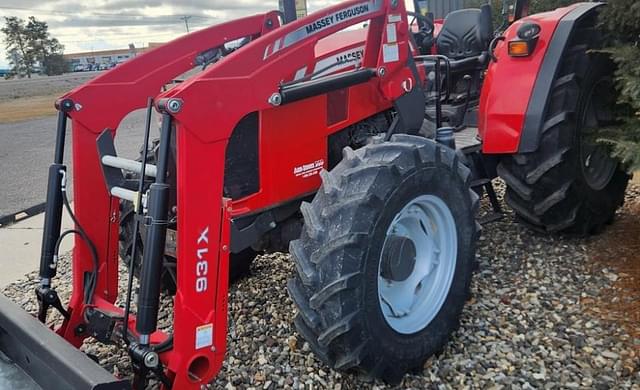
[410,305]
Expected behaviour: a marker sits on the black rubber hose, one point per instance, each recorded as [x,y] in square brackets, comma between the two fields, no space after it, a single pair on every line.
[163,346]
[90,289]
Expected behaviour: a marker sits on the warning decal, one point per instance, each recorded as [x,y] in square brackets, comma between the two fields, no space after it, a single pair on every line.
[204,336]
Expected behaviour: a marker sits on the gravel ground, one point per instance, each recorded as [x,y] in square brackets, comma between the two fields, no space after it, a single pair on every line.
[530,324]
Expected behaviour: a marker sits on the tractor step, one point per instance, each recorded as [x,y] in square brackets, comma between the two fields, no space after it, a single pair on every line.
[496,213]
[49,360]
[467,140]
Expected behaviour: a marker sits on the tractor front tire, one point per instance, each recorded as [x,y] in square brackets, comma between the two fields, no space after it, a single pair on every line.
[570,184]
[385,258]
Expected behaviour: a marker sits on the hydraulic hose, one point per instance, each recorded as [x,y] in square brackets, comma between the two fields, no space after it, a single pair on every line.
[91,283]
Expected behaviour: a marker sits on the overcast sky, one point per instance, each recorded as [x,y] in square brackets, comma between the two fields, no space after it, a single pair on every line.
[113,24]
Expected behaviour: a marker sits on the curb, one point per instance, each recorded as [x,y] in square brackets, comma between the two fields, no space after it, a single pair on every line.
[21,215]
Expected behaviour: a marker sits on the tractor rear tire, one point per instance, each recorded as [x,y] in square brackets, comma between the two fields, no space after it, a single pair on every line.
[570,184]
[239,263]
[342,310]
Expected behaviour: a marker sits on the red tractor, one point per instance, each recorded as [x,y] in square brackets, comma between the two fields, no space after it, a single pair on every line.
[356,138]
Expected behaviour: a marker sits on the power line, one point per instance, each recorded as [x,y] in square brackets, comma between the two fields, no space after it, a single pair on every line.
[129,38]
[138,38]
[119,29]
[186,21]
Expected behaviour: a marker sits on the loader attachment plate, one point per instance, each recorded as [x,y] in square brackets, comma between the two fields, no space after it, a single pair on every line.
[47,358]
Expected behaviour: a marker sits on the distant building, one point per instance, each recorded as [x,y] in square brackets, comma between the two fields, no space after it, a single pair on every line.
[441,8]
[107,56]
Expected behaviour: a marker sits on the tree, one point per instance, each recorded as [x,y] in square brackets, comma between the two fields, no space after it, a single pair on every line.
[620,20]
[47,50]
[29,44]
[20,55]
[548,5]
[55,64]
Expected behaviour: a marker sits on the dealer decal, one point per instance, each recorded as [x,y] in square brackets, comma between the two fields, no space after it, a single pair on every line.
[308,170]
[322,23]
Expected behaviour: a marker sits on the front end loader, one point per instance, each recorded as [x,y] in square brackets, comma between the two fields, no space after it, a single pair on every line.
[359,138]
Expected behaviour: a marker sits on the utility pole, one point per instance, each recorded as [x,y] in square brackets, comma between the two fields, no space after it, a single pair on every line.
[186,21]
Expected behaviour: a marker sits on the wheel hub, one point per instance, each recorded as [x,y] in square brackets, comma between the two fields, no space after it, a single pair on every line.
[398,259]
[417,264]
[598,167]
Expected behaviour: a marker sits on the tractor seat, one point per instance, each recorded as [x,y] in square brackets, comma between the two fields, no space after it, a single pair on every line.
[465,33]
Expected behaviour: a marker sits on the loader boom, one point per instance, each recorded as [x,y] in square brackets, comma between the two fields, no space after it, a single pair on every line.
[93,107]
[277,72]
[247,83]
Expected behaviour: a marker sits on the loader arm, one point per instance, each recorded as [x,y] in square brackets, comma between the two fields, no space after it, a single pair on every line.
[272,77]
[278,83]
[101,104]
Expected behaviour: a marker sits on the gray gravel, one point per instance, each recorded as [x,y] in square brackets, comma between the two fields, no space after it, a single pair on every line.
[526,325]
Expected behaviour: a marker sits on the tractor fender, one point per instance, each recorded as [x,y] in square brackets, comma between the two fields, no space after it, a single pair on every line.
[517,91]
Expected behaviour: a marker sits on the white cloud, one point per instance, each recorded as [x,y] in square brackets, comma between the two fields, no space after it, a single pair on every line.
[113,24]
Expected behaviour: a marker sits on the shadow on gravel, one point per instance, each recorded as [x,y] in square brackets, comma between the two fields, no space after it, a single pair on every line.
[543,314]
[616,253]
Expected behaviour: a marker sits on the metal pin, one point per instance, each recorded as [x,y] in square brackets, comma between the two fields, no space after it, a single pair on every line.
[275,99]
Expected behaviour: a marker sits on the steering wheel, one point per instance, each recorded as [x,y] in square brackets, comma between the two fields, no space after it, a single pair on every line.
[424,37]
[426,24]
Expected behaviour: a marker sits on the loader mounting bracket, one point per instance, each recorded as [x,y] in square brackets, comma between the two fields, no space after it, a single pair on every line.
[101,324]
[48,297]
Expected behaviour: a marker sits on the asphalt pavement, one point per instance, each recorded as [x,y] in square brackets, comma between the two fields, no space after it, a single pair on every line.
[26,151]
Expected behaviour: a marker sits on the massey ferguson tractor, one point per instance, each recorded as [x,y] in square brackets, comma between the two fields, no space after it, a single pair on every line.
[360,138]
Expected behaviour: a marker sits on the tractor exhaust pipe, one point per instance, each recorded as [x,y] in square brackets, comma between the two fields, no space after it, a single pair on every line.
[288,8]
[291,9]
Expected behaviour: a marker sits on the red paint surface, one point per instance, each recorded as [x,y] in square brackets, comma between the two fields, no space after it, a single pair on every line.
[508,86]
[214,102]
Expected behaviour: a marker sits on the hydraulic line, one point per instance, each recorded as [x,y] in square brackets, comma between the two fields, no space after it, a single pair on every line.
[136,224]
[93,278]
